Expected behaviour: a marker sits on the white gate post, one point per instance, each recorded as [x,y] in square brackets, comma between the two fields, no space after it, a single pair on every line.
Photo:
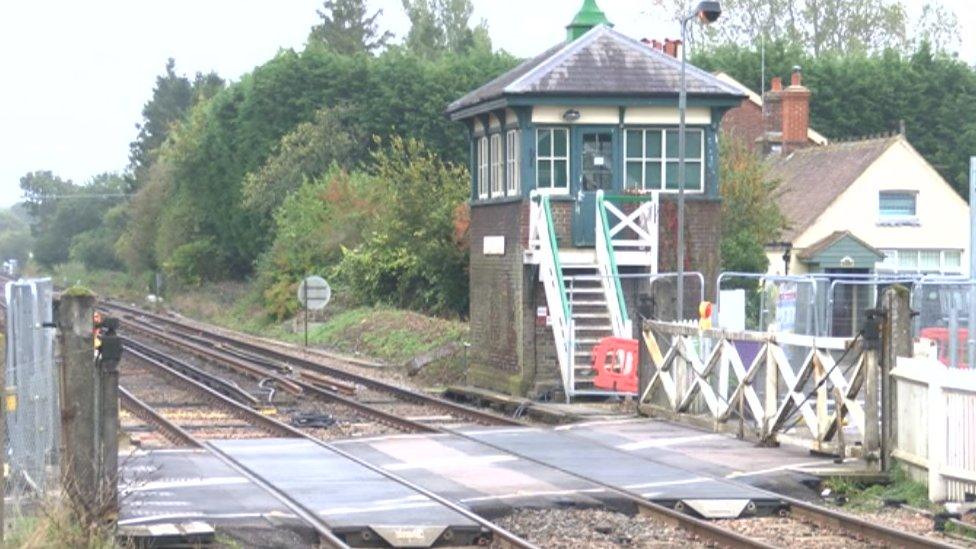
[938,427]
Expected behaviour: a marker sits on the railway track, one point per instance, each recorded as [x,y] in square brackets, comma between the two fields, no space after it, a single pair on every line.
[382,400]
[251,360]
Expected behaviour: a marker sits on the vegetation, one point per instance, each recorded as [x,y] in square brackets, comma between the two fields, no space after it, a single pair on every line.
[901,489]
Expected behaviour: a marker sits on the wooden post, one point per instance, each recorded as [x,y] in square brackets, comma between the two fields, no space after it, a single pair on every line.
[772,389]
[74,316]
[937,427]
[872,435]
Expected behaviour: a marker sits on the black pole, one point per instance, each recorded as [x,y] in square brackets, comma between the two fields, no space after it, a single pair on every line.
[305,304]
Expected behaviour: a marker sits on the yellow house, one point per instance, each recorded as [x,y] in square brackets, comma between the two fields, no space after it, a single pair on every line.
[871,206]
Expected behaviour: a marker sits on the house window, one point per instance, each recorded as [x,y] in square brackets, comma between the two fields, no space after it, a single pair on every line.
[497,171]
[552,159]
[921,261]
[894,205]
[483,177]
[513,176]
[652,160]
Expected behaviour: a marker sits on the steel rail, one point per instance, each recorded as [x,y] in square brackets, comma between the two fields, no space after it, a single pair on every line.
[387,418]
[831,519]
[293,432]
[233,407]
[169,430]
[402,393]
[220,385]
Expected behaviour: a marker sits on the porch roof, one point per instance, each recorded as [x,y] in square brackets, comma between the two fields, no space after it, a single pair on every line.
[830,252]
[602,62]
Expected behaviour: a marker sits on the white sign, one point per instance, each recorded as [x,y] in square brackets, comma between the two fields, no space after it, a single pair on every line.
[599,161]
[314,293]
[786,307]
[732,310]
[494,245]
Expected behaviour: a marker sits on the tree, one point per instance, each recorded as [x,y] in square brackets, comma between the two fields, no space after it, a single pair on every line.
[819,26]
[750,216]
[347,29]
[938,26]
[172,98]
[442,26]
[332,138]
[15,237]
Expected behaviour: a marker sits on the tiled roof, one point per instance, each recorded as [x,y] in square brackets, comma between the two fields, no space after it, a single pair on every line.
[811,179]
[601,62]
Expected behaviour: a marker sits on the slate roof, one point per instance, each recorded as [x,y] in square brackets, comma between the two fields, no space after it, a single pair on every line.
[825,243]
[601,62]
[811,179]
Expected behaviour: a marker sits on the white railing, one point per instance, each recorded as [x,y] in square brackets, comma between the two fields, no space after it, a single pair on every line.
[633,236]
[542,237]
[692,373]
[609,275]
[935,425]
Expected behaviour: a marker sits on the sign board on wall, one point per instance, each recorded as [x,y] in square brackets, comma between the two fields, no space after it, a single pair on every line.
[786,307]
[494,245]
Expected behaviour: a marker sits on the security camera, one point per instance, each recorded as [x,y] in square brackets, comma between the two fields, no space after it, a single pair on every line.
[709,11]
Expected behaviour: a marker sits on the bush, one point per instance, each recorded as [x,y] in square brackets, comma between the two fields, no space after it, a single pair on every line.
[195,262]
[412,257]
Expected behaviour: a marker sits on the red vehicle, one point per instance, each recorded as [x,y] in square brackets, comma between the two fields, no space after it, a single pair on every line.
[941,337]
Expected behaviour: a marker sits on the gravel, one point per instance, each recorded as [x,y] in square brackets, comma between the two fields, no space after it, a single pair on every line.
[787,532]
[592,528]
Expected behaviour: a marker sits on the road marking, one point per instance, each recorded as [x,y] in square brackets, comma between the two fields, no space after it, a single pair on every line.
[186,483]
[665,442]
[597,423]
[668,483]
[796,466]
[179,516]
[450,462]
[534,493]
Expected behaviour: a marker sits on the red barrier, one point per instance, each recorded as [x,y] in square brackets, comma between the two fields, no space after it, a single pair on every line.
[615,363]
[941,338]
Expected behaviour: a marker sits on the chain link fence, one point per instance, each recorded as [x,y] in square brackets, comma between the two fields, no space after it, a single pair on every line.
[31,394]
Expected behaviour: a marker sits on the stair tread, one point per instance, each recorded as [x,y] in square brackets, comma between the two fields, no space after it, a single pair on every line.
[591,315]
[595,328]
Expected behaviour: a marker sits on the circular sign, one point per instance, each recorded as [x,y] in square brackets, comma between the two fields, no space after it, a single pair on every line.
[314,293]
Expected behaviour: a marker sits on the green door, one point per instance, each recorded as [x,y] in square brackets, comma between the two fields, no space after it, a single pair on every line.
[596,172]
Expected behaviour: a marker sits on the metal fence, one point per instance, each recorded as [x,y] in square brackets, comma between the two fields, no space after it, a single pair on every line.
[31,392]
[945,308]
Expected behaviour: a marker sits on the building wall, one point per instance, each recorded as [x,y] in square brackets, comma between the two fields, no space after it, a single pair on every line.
[744,123]
[943,215]
[703,232]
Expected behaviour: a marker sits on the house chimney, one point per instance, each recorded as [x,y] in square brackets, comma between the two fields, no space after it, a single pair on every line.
[773,110]
[777,84]
[796,113]
[671,47]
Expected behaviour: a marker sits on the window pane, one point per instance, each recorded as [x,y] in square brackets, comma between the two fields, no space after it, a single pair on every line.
[545,142]
[908,259]
[672,143]
[634,175]
[652,148]
[544,174]
[930,260]
[561,177]
[693,146]
[634,143]
[953,259]
[895,204]
[693,175]
[560,145]
[671,176]
[652,176]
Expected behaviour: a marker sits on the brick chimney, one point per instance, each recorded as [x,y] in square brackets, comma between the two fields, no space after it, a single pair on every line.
[773,110]
[669,47]
[796,113]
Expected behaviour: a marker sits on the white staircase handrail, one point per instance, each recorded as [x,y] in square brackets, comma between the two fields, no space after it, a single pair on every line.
[542,234]
[609,275]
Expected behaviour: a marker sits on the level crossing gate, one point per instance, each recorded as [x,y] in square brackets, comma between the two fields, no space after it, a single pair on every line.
[774,387]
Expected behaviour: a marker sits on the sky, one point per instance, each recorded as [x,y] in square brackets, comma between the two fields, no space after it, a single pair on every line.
[77,74]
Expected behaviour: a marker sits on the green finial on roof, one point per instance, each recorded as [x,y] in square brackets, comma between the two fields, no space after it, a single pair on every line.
[589,16]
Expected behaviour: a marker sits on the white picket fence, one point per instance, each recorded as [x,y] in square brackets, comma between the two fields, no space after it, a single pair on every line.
[935,426]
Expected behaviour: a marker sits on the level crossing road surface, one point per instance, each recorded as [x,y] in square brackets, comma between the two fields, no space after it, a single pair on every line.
[491,471]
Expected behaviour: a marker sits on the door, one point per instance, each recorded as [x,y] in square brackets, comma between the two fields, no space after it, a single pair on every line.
[596,172]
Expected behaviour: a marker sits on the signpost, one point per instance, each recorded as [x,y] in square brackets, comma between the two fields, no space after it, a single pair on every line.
[314,294]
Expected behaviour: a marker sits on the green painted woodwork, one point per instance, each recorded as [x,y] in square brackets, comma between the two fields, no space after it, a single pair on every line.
[832,256]
[589,16]
[588,144]
[547,210]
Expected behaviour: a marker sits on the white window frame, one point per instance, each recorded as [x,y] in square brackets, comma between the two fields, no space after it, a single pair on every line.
[894,218]
[497,171]
[540,158]
[513,164]
[663,159]
[893,261]
[483,177]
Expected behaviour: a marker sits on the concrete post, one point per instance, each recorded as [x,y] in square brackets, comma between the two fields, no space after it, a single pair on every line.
[107,419]
[896,337]
[74,316]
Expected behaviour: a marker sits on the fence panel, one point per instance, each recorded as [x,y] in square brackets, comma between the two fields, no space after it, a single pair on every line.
[936,418]
[32,416]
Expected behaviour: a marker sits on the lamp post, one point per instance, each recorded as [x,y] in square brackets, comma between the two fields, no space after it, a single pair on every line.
[706,12]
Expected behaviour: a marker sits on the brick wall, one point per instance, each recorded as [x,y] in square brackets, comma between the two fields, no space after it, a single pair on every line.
[703,233]
[744,123]
[496,288]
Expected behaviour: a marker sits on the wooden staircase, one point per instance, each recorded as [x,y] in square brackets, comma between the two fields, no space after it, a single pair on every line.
[590,316]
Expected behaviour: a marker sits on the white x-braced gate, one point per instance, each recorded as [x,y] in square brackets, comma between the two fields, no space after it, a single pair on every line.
[775,387]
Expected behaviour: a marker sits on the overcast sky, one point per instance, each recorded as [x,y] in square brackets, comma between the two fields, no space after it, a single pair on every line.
[75,74]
